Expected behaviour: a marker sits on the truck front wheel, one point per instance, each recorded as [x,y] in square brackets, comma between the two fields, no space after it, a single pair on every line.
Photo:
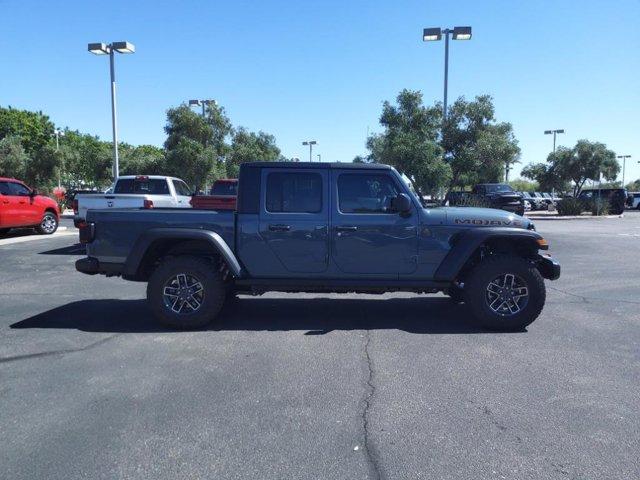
[505,292]
[186,292]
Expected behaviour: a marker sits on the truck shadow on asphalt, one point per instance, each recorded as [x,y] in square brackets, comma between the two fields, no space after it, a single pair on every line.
[313,316]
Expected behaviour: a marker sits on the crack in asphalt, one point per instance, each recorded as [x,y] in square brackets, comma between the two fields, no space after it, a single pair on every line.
[369,449]
[58,352]
[588,300]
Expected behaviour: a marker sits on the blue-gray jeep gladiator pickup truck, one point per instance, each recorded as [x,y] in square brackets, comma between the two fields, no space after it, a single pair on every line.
[323,227]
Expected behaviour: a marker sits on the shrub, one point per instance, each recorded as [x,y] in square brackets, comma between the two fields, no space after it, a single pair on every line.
[570,206]
[599,206]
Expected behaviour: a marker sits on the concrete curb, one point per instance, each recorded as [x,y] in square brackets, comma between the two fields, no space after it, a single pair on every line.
[581,217]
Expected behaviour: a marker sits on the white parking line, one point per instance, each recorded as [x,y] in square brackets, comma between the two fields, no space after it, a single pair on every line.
[62,232]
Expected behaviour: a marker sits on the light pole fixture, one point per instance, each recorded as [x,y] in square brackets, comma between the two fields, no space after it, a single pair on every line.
[319,157]
[624,164]
[58,133]
[109,49]
[434,35]
[203,103]
[311,143]
[554,132]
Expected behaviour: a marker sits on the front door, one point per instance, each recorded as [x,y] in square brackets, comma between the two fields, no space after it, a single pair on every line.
[294,217]
[368,236]
[27,212]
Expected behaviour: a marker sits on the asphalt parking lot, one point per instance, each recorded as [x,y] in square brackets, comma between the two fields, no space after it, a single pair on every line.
[398,386]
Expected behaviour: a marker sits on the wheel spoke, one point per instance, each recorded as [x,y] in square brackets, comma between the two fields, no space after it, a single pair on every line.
[494,287]
[171,291]
[509,279]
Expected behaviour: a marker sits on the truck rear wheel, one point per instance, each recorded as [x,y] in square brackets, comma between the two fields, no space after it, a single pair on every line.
[505,293]
[186,292]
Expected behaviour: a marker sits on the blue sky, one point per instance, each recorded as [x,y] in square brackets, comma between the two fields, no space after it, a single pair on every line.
[321,69]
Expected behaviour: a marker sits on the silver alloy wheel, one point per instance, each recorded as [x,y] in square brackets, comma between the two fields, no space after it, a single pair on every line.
[49,223]
[183,294]
[507,295]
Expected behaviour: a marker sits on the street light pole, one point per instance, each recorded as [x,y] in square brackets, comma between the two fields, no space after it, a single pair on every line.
[204,103]
[319,157]
[624,164]
[435,34]
[110,49]
[114,123]
[549,132]
[58,133]
[311,143]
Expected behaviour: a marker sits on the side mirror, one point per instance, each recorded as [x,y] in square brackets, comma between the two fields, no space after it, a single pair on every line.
[401,204]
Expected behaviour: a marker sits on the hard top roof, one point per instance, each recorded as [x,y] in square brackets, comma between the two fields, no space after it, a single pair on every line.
[332,165]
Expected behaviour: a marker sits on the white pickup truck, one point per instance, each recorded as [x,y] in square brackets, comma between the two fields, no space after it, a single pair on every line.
[135,191]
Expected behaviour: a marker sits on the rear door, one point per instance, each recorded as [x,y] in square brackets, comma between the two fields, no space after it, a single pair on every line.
[9,212]
[294,214]
[368,236]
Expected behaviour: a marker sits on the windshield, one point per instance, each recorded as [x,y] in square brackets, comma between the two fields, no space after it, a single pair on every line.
[224,188]
[498,188]
[411,187]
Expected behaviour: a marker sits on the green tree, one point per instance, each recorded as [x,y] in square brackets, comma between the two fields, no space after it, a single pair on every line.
[586,161]
[34,128]
[141,160]
[196,145]
[522,185]
[409,142]
[190,161]
[477,147]
[633,186]
[86,160]
[13,158]
[248,146]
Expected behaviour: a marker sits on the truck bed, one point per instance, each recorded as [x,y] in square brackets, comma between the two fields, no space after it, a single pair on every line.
[118,229]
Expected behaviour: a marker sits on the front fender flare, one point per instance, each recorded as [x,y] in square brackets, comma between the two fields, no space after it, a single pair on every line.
[145,240]
[467,242]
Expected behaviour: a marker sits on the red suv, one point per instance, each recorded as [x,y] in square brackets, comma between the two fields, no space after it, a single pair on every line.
[20,207]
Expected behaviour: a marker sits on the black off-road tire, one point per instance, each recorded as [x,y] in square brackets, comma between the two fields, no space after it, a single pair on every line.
[491,268]
[199,268]
[48,224]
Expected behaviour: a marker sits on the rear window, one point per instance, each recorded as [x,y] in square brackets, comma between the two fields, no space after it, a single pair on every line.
[148,186]
[224,188]
[294,193]
[498,188]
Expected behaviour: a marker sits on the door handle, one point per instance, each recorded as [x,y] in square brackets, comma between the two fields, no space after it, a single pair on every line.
[5,201]
[346,228]
[279,228]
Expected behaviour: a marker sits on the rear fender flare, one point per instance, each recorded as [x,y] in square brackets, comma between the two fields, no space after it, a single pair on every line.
[145,240]
[467,242]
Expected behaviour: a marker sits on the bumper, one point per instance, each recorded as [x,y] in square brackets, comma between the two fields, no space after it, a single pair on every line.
[91,266]
[548,267]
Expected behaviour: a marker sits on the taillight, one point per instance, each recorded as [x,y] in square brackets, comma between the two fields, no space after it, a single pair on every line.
[75,207]
[87,232]
[148,204]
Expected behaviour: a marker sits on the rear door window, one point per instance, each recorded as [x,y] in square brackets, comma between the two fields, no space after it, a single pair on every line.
[294,192]
[4,188]
[147,186]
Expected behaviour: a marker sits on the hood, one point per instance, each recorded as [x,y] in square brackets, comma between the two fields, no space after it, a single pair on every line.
[484,217]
